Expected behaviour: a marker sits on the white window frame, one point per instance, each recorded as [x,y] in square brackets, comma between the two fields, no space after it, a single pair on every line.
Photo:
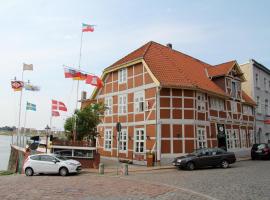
[139,141]
[234,89]
[201,102]
[243,138]
[139,104]
[201,137]
[247,110]
[109,105]
[108,139]
[234,106]
[123,140]
[122,104]
[216,104]
[122,75]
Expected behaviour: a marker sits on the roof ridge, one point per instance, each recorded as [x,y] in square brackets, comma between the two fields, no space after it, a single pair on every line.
[147,48]
[224,63]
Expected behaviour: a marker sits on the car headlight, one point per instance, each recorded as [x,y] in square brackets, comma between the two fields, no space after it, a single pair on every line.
[178,160]
[71,164]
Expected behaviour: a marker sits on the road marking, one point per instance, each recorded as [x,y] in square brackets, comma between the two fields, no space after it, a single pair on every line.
[176,187]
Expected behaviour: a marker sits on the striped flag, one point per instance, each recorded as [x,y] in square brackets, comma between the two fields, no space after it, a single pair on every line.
[30,106]
[87,28]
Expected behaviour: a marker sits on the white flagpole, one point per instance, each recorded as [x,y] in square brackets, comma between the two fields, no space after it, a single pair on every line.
[24,130]
[19,123]
[80,56]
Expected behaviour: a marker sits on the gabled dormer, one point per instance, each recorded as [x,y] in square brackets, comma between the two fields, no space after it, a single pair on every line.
[229,77]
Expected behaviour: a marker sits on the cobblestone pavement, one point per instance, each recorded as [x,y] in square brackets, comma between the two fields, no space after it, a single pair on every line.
[245,180]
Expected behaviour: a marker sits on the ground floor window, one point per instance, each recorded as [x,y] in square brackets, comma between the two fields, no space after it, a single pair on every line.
[139,141]
[201,138]
[123,140]
[243,138]
[232,137]
[108,139]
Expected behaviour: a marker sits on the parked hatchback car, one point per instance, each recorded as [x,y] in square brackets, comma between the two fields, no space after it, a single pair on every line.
[50,164]
[260,151]
[205,157]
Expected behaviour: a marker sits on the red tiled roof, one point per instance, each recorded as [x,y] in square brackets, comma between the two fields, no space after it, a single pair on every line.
[221,69]
[173,68]
[248,99]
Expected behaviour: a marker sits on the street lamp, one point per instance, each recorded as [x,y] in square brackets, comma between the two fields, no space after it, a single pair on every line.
[47,128]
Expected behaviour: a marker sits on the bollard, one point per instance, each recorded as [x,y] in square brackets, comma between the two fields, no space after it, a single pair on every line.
[125,169]
[101,168]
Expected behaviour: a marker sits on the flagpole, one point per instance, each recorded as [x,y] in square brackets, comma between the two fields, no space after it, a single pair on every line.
[80,56]
[25,115]
[19,123]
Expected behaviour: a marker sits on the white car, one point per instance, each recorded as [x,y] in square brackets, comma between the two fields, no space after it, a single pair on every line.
[50,164]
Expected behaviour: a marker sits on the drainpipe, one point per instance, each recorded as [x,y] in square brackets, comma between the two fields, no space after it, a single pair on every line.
[158,153]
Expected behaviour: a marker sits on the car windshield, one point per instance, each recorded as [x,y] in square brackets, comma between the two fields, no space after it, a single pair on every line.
[60,157]
[199,151]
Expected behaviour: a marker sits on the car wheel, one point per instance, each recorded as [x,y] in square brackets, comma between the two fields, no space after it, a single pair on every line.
[224,164]
[63,171]
[190,166]
[29,171]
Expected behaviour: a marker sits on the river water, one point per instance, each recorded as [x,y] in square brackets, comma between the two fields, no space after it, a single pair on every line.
[4,151]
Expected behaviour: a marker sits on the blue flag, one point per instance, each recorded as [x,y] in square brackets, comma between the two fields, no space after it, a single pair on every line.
[30,106]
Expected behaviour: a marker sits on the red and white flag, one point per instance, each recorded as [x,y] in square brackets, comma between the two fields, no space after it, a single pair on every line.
[87,28]
[58,105]
[55,113]
[94,80]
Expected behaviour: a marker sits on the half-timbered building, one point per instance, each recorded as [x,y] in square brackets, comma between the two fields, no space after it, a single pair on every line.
[169,104]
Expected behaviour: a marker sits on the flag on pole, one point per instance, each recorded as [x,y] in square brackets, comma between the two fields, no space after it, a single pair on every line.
[28,67]
[87,28]
[79,76]
[17,85]
[28,86]
[30,106]
[69,73]
[58,105]
[55,113]
[94,80]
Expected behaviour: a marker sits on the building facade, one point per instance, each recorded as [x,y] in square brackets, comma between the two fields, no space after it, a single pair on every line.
[169,104]
[258,87]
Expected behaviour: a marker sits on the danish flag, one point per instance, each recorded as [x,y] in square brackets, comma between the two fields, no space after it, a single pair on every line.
[55,113]
[58,105]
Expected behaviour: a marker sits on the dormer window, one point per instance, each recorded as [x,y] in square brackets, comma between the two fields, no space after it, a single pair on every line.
[122,75]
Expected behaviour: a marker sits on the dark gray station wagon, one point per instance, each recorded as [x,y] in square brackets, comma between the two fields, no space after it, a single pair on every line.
[205,157]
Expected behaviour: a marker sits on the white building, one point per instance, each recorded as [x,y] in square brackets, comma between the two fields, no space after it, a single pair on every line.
[258,87]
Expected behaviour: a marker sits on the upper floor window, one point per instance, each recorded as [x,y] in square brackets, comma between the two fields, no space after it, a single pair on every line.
[266,107]
[264,84]
[109,105]
[258,105]
[234,106]
[200,101]
[122,75]
[139,101]
[247,110]
[234,89]
[216,104]
[122,104]
[257,80]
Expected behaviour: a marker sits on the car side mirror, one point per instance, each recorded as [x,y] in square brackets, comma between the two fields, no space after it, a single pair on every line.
[55,161]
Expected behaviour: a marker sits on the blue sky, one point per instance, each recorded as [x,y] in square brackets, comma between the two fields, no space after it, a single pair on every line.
[47,34]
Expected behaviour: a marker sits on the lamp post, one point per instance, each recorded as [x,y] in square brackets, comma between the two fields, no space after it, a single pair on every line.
[47,128]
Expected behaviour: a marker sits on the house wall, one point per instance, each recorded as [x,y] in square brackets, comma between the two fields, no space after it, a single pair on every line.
[138,79]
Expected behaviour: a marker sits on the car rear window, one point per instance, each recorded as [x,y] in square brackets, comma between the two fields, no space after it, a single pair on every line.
[261,146]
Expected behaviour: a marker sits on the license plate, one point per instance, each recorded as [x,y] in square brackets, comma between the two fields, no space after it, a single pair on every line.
[259,151]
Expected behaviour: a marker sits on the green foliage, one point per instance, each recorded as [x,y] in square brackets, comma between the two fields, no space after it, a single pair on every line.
[87,120]
[4,173]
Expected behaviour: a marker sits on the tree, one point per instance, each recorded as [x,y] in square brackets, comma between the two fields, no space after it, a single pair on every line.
[87,120]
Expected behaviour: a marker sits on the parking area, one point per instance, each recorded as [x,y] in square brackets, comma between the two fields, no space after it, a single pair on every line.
[244,180]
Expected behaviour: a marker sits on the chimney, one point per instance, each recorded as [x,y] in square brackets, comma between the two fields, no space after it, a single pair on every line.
[169,45]
[83,95]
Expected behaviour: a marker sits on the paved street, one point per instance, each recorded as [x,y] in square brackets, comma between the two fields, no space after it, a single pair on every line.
[244,180]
